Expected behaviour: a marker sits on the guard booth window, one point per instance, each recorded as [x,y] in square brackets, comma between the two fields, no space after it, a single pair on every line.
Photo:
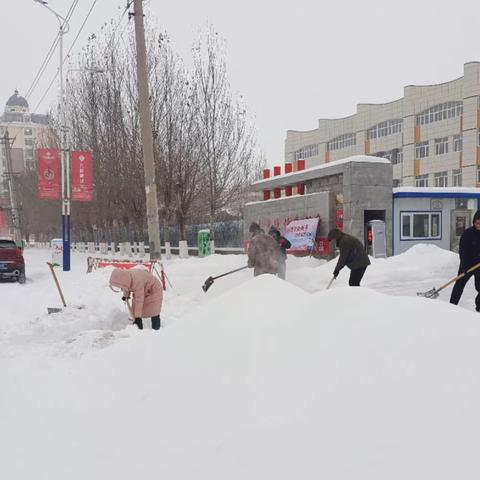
[420,225]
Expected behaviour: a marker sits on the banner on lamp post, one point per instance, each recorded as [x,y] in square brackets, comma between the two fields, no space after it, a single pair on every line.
[82,176]
[49,174]
[301,234]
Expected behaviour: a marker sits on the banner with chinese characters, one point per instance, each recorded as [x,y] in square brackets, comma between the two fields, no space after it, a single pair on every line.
[48,173]
[82,176]
[301,234]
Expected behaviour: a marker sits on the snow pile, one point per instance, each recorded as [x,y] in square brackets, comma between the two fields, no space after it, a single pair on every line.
[262,381]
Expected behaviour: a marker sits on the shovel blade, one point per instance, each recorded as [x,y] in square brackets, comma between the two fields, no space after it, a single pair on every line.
[208,283]
[53,310]
[433,293]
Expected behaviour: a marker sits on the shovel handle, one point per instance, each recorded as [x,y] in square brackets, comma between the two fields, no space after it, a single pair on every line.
[130,309]
[57,283]
[330,283]
[458,277]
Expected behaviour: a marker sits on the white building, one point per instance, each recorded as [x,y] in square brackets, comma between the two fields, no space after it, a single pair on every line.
[431,135]
[28,131]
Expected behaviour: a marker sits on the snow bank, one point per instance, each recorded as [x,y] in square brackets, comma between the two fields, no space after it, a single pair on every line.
[262,380]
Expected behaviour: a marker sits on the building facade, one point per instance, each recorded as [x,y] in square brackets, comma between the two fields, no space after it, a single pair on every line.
[345,194]
[431,135]
[28,131]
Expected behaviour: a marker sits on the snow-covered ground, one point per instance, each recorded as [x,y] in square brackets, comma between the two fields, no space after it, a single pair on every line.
[256,379]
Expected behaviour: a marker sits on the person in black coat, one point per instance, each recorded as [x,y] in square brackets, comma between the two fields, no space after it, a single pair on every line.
[284,244]
[469,251]
[352,255]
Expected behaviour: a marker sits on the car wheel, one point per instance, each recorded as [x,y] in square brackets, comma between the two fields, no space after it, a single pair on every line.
[22,278]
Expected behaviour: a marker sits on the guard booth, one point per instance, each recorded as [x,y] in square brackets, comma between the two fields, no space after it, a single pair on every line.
[375,240]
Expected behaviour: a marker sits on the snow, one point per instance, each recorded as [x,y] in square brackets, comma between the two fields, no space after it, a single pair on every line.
[352,159]
[258,378]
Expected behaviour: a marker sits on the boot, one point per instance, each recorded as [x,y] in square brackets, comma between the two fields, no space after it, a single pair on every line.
[139,323]
[156,322]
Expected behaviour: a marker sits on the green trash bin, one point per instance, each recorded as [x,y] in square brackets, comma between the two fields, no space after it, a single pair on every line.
[203,240]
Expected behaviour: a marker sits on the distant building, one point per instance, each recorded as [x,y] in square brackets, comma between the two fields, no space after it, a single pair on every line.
[431,135]
[28,130]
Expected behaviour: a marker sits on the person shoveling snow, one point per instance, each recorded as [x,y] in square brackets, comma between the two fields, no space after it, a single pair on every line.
[352,254]
[263,252]
[469,251]
[147,294]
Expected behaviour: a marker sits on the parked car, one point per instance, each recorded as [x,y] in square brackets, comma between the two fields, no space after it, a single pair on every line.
[12,264]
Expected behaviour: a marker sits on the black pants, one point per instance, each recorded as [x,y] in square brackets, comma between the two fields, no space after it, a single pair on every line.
[155,323]
[356,276]
[460,285]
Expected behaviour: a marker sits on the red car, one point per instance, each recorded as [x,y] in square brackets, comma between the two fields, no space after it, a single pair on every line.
[12,264]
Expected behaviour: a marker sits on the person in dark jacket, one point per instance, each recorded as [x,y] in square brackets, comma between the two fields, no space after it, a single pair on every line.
[352,254]
[262,251]
[469,251]
[283,245]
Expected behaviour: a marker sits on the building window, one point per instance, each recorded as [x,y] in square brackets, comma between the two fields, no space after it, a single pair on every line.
[29,142]
[440,112]
[422,149]
[420,225]
[397,183]
[383,129]
[441,146]
[421,180]
[342,141]
[457,143]
[457,177]
[440,179]
[395,155]
[27,132]
[478,175]
[306,152]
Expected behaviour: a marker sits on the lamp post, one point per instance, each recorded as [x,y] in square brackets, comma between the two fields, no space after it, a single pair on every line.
[64,159]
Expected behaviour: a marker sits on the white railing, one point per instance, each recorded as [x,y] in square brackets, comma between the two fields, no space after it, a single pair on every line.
[127,249]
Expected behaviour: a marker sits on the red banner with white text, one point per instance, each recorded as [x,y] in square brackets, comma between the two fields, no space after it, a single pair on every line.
[49,173]
[82,176]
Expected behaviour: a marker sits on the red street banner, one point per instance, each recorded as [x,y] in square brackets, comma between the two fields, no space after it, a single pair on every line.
[82,177]
[48,172]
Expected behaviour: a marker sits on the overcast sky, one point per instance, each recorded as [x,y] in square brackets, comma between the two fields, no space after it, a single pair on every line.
[294,62]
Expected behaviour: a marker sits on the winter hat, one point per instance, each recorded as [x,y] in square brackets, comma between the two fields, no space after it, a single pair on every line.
[254,227]
[476,216]
[334,234]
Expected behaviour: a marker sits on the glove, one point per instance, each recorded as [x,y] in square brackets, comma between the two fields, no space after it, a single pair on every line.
[124,299]
[335,273]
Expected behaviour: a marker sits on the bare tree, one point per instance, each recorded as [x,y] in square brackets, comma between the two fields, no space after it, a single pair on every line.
[226,137]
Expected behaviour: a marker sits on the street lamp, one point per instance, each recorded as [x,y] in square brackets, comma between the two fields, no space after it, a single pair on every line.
[65,162]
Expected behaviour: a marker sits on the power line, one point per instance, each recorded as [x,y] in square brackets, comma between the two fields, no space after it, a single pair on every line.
[49,55]
[68,53]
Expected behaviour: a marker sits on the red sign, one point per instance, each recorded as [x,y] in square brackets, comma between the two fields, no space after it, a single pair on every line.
[339,218]
[82,176]
[48,172]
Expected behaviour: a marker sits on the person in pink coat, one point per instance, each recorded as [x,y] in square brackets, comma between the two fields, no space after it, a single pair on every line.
[147,293]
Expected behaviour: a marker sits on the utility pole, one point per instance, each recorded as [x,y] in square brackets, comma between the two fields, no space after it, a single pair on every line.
[147,138]
[64,27]
[12,193]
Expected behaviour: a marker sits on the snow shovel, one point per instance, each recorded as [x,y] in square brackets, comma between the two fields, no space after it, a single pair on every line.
[433,293]
[56,310]
[330,283]
[209,281]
